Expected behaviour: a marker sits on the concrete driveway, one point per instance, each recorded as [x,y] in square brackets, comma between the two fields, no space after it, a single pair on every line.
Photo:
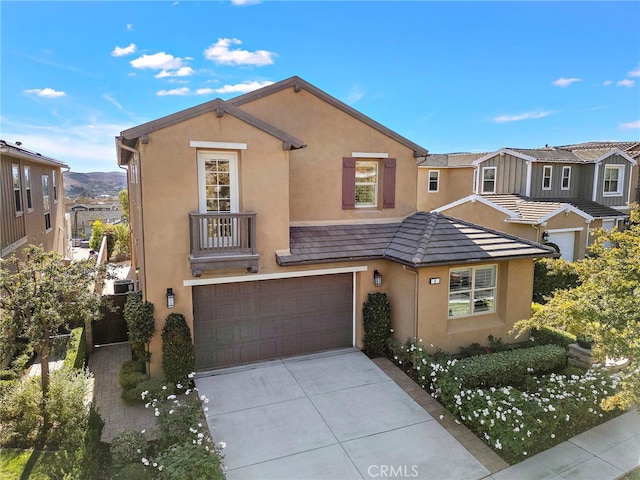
[327,416]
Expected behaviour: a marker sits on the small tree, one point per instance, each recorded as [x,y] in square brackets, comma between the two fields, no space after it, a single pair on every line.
[139,317]
[376,317]
[38,297]
[123,196]
[178,356]
[97,232]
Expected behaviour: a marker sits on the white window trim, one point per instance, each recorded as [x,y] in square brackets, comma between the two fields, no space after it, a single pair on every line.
[54,184]
[620,191]
[566,168]
[27,188]
[472,289]
[369,155]
[376,185]
[495,179]
[437,172]
[16,168]
[545,169]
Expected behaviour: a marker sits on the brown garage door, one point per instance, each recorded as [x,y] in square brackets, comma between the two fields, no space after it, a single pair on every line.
[249,321]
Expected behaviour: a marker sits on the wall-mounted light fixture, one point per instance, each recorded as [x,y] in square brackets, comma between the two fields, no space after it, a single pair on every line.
[545,235]
[434,280]
[377,278]
[171,298]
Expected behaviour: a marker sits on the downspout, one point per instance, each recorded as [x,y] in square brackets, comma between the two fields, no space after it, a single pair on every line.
[415,301]
[136,157]
[66,242]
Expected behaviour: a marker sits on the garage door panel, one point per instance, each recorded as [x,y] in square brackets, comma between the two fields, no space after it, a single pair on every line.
[252,321]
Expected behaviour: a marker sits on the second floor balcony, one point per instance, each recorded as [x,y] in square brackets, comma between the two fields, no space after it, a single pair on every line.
[223,241]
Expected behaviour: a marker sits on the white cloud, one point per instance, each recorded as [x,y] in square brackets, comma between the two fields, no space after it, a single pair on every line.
[45,92]
[122,51]
[565,82]
[606,83]
[112,101]
[158,61]
[181,72]
[635,73]
[356,93]
[626,83]
[175,91]
[521,116]
[129,26]
[204,91]
[222,54]
[62,141]
[244,3]
[630,125]
[243,87]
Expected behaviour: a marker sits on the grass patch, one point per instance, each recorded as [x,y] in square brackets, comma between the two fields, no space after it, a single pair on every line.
[25,464]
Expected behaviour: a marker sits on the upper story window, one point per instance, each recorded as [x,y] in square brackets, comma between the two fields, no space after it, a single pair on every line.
[613,178]
[45,202]
[54,184]
[489,179]
[17,189]
[472,290]
[547,171]
[434,181]
[366,181]
[366,184]
[27,187]
[566,177]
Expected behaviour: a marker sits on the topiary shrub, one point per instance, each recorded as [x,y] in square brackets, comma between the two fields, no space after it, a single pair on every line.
[552,336]
[128,446]
[140,322]
[178,355]
[97,232]
[131,374]
[376,317]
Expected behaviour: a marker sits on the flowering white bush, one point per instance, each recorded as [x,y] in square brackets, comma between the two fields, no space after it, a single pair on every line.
[517,423]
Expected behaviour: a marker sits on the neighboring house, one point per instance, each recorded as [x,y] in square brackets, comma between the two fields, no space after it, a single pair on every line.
[268,218]
[83,216]
[552,194]
[32,201]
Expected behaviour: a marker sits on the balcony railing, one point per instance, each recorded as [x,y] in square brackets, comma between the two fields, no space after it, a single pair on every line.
[223,241]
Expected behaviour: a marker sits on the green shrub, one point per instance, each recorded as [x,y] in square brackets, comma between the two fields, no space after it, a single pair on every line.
[187,461]
[178,356]
[128,446]
[551,274]
[20,414]
[76,349]
[93,455]
[376,317]
[140,323]
[118,242]
[136,471]
[552,336]
[9,375]
[131,374]
[22,357]
[154,387]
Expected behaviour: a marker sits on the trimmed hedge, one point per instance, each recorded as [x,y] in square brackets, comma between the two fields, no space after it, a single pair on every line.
[552,336]
[508,368]
[376,319]
[76,349]
[178,355]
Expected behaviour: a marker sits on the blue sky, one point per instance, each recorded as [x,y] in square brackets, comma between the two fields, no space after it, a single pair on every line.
[450,76]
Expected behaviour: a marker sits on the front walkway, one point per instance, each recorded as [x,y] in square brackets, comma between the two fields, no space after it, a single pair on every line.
[105,362]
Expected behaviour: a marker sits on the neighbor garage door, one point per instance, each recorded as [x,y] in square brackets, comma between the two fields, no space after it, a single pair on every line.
[249,321]
[566,243]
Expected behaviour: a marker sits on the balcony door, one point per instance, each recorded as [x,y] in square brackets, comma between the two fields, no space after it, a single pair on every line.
[218,193]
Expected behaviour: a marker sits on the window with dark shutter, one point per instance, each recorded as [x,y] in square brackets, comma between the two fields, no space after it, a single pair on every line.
[389,183]
[348,183]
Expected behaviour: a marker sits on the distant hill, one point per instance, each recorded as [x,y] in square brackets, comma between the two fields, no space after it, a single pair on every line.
[93,184]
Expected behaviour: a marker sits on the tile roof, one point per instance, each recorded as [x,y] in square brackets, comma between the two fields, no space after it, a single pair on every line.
[533,210]
[630,148]
[422,239]
[549,154]
[451,159]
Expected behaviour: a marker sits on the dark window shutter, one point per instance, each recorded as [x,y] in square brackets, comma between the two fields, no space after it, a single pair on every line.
[389,183]
[348,183]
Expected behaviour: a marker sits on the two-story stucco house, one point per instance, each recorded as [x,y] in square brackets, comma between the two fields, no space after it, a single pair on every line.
[553,195]
[32,201]
[270,217]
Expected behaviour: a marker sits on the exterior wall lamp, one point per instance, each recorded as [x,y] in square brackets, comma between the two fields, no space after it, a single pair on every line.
[545,236]
[377,278]
[171,298]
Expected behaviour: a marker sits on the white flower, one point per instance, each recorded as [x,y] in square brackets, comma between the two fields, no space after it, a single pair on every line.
[164,387]
[223,444]
[498,445]
[441,417]
[553,435]
[143,430]
[145,461]
[191,375]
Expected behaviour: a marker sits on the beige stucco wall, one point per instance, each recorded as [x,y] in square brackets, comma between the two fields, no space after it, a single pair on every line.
[455,183]
[513,298]
[316,171]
